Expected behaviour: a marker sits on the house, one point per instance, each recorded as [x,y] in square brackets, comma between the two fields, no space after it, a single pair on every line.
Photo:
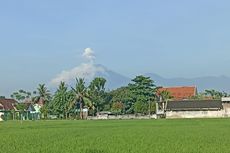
[6,106]
[180,93]
[196,109]
[9,111]
[32,111]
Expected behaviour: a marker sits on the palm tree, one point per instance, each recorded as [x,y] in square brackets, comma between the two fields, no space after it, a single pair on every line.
[43,96]
[165,95]
[98,84]
[80,92]
[62,87]
[96,92]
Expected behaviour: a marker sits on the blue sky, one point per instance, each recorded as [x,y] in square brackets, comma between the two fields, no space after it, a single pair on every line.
[40,38]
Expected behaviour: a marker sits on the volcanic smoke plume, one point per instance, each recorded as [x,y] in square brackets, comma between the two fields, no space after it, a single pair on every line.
[87,70]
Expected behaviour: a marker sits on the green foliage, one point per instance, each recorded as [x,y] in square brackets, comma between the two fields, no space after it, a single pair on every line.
[21,95]
[97,94]
[137,97]
[117,107]
[2,97]
[199,96]
[165,95]
[80,90]
[43,94]
[97,84]
[45,111]
[81,95]
[21,107]
[144,90]
[140,107]
[61,101]
[215,94]
[125,96]
[210,94]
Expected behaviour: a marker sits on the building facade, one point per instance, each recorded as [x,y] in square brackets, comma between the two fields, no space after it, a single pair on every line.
[197,109]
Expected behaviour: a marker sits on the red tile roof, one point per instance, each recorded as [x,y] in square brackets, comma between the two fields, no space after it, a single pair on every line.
[7,104]
[180,93]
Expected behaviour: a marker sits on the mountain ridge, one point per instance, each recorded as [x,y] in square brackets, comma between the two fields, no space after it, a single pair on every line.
[116,80]
[221,83]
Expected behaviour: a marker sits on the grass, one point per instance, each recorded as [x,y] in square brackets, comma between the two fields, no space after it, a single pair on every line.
[121,136]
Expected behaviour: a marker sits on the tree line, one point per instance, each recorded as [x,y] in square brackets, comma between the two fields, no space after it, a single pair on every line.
[138,97]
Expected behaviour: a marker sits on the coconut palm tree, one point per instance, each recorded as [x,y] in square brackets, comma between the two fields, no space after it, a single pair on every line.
[43,95]
[81,98]
[165,95]
[96,92]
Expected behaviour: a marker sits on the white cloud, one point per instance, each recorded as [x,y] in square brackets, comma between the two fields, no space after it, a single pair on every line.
[84,70]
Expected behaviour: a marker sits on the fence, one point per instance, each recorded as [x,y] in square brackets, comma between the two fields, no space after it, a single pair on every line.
[19,115]
[121,117]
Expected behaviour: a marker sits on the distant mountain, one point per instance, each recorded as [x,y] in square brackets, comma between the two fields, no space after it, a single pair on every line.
[221,83]
[114,79]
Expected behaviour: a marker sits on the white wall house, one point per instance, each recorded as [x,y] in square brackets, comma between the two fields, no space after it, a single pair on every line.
[197,109]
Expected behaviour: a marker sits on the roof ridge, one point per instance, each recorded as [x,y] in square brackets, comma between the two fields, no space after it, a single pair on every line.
[180,87]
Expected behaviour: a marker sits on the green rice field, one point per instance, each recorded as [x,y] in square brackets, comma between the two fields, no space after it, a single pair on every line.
[116,136]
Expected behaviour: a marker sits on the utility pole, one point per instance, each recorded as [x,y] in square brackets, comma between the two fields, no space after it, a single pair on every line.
[149,108]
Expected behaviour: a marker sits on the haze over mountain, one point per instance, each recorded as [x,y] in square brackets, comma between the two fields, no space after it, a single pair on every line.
[221,83]
[114,79]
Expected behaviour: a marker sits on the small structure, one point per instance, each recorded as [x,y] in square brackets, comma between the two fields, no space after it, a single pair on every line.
[226,106]
[1,116]
[32,111]
[85,112]
[181,93]
[194,109]
[160,108]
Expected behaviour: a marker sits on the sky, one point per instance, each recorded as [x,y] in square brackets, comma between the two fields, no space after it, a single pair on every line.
[40,40]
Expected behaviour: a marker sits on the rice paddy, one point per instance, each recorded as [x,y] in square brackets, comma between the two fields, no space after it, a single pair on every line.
[116,136]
